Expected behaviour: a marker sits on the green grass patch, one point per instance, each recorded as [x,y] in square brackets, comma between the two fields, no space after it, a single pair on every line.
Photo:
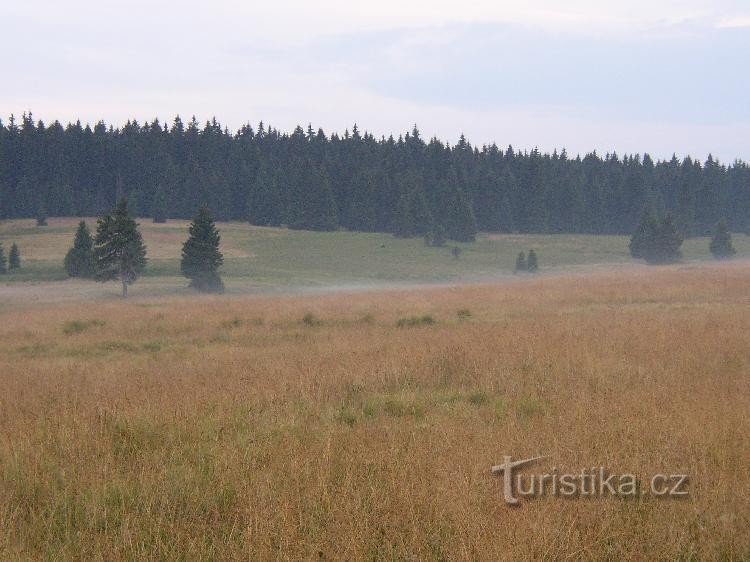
[412,321]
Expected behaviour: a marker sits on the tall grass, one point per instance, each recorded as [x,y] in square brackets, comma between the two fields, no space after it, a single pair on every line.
[244,434]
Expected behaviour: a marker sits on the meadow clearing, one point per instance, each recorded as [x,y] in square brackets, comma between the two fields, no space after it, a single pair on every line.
[272,260]
[364,425]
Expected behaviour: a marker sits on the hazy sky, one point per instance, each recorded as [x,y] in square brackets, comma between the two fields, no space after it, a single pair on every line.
[660,76]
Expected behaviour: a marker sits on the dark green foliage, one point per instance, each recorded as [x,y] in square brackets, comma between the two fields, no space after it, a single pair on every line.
[521,262]
[721,243]
[119,252]
[201,257]
[14,257]
[311,180]
[159,205]
[532,265]
[79,261]
[656,240]
[41,216]
[3,261]
[462,226]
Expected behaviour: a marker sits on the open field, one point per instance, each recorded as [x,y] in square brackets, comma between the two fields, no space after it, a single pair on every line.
[261,259]
[312,427]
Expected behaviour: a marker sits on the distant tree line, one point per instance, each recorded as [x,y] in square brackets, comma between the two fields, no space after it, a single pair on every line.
[309,180]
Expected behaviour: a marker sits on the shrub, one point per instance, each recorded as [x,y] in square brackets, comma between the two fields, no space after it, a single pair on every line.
[425,320]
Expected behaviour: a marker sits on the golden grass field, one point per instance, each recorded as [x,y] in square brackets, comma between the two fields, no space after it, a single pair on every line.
[313,427]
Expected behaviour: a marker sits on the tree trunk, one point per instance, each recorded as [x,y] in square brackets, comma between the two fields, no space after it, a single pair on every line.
[124,289]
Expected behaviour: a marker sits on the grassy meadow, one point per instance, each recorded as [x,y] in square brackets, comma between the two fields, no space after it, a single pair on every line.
[364,425]
[259,259]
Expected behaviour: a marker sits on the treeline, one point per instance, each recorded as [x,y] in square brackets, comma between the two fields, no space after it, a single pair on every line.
[310,180]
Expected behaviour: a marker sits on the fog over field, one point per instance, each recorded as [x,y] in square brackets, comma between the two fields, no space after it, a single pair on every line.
[383,281]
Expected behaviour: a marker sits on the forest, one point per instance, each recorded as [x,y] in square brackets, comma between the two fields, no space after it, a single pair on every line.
[307,179]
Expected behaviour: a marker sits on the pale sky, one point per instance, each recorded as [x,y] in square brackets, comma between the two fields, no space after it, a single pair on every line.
[657,76]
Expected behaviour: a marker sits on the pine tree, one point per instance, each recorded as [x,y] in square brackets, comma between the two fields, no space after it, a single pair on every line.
[656,240]
[721,244]
[119,252]
[438,237]
[14,257]
[532,265]
[667,243]
[403,225]
[41,216]
[79,261]
[3,261]
[462,226]
[521,262]
[641,239]
[201,256]
[159,205]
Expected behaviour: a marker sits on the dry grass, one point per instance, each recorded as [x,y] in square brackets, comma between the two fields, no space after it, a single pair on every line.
[232,428]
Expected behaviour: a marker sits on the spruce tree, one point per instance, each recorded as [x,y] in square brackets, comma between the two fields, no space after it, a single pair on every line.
[667,243]
[41,216]
[642,238]
[462,226]
[721,244]
[403,225]
[79,261]
[437,236]
[14,257]
[521,262]
[532,265]
[3,261]
[656,240]
[201,256]
[119,252]
[159,205]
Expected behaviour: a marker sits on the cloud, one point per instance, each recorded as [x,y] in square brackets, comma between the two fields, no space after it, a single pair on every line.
[656,76]
[735,22]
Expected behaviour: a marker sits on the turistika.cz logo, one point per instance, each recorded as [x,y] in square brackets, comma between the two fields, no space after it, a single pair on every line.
[589,482]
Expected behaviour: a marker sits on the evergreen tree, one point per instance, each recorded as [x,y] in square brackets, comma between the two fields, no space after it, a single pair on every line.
[14,257]
[119,252]
[403,224]
[3,261]
[642,238]
[41,216]
[159,205]
[201,256]
[521,262]
[667,243]
[79,261]
[532,265]
[656,240]
[314,181]
[721,244]
[462,226]
[437,236]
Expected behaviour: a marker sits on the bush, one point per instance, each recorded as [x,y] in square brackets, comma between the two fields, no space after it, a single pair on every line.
[463,314]
[310,319]
[425,320]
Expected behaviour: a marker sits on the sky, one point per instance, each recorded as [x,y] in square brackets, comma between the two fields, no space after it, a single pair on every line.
[658,76]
